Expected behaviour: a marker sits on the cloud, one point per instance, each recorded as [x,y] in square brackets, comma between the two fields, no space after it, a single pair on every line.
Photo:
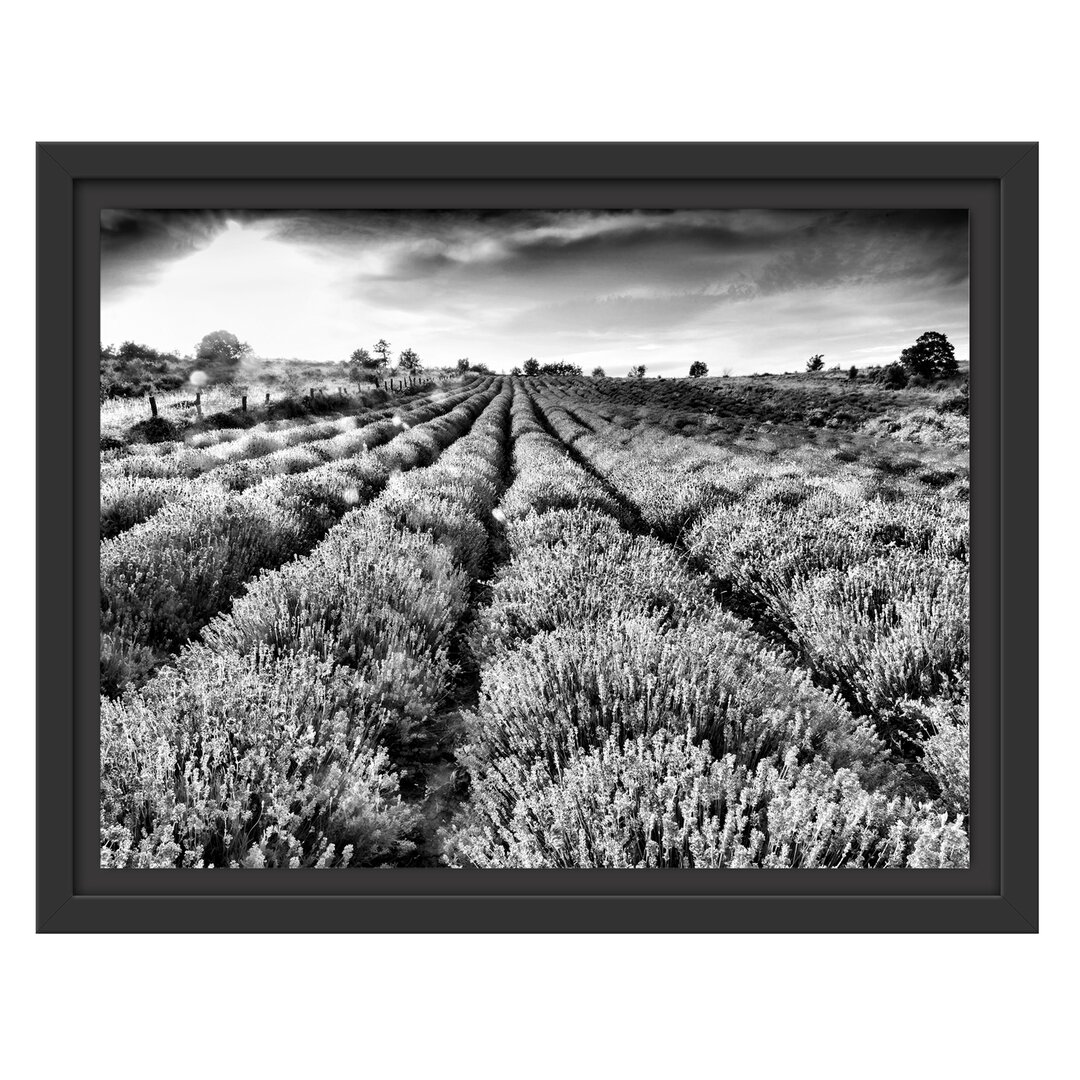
[502,285]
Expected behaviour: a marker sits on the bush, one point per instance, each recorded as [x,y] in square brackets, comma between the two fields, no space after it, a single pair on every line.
[249,761]
[893,377]
[884,630]
[563,691]
[163,580]
[662,801]
[591,574]
[155,429]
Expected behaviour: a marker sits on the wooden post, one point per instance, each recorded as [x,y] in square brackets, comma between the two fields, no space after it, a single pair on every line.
[311,393]
[198,403]
[243,403]
[153,406]
[268,398]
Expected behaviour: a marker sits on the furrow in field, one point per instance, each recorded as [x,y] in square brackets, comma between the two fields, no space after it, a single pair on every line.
[298,731]
[624,720]
[163,580]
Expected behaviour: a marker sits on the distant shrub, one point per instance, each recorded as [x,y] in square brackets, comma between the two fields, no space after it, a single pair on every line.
[154,429]
[893,377]
[937,478]
[957,403]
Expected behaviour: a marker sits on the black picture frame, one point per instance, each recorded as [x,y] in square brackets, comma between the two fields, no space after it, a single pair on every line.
[997,182]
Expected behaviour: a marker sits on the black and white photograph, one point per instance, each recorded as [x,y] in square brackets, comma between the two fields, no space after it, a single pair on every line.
[539,538]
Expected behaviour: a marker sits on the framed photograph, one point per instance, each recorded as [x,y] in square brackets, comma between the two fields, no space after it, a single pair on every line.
[548,537]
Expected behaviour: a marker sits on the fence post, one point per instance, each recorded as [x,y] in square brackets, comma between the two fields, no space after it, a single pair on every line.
[198,403]
[243,403]
[153,406]
[311,393]
[268,398]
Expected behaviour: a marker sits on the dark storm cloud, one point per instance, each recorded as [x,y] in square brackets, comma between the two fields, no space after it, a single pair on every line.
[804,247]
[137,244]
[871,246]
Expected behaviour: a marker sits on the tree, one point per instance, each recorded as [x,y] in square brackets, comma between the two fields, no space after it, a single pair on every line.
[362,366]
[697,369]
[515,370]
[636,372]
[853,373]
[409,361]
[531,366]
[138,369]
[463,364]
[932,356]
[559,367]
[816,362]
[382,350]
[598,373]
[218,356]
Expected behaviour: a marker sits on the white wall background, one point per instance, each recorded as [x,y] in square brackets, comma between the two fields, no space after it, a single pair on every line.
[884,1007]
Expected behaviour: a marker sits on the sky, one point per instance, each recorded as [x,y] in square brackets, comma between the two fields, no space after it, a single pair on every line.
[741,290]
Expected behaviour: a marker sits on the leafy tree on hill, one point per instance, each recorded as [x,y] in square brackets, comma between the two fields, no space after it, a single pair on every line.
[463,364]
[599,373]
[697,369]
[515,370]
[531,366]
[219,355]
[637,372]
[409,361]
[816,362]
[932,356]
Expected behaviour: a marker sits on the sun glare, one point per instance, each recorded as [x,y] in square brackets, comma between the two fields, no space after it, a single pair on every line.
[245,280]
